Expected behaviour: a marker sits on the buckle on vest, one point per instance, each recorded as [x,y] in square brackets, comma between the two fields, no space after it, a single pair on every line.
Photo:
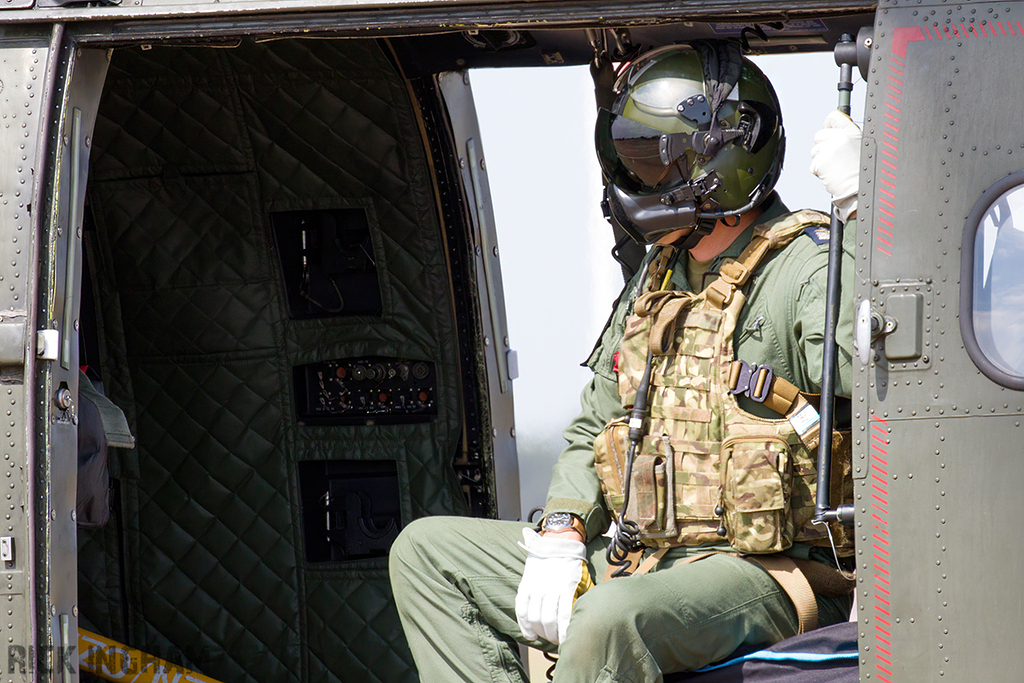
[753,381]
[734,272]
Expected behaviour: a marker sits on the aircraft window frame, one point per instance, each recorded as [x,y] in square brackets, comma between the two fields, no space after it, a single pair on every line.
[995,369]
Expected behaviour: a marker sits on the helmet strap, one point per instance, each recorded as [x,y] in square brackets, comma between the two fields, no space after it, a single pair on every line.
[704,227]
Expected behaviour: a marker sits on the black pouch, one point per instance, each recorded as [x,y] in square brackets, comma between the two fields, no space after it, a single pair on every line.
[101,424]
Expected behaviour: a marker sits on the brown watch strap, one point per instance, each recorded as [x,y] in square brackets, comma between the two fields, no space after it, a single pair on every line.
[574,523]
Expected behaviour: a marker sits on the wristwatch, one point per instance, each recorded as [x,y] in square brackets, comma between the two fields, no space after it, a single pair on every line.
[560,521]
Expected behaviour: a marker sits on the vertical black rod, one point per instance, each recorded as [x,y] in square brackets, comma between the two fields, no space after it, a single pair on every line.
[822,507]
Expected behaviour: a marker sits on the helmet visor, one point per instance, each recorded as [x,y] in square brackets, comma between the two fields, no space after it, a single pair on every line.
[644,154]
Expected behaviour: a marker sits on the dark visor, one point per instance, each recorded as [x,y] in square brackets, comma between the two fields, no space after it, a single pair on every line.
[646,152]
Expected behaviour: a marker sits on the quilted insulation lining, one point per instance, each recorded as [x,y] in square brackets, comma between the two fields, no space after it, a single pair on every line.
[194,147]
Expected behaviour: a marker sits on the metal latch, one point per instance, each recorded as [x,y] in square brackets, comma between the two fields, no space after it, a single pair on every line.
[7,549]
[47,344]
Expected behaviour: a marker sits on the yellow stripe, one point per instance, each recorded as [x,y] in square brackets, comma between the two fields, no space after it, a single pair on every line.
[118,662]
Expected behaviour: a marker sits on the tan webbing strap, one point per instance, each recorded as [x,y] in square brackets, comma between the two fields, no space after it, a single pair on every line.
[781,396]
[785,572]
[734,273]
[645,566]
[768,237]
[633,560]
[785,399]
[663,331]
[782,568]
[826,580]
[651,560]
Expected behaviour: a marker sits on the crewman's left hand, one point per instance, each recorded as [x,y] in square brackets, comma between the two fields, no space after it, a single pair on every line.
[835,159]
[555,575]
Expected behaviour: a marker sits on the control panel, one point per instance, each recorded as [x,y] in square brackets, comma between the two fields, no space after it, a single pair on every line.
[365,391]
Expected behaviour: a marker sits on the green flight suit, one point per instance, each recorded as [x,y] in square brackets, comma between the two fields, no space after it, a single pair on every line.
[455,579]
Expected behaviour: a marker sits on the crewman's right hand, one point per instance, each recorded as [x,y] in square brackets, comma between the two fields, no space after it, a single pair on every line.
[555,575]
[835,159]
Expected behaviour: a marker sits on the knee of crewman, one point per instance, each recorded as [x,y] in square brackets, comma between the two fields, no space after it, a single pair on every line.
[415,542]
[606,611]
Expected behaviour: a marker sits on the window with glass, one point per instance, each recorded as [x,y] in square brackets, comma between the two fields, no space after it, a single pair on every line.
[992,306]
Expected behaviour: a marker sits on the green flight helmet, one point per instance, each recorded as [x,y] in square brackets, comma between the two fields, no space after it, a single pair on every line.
[694,135]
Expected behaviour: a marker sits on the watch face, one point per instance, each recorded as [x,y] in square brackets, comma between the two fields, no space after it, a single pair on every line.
[558,520]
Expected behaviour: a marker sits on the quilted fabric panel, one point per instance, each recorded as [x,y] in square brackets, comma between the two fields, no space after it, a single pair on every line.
[99,580]
[199,271]
[353,626]
[200,352]
[216,559]
[157,121]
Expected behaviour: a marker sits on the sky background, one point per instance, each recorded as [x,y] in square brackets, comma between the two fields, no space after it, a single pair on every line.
[537,130]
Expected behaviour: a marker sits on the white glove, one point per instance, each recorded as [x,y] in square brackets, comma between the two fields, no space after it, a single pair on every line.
[555,575]
[835,159]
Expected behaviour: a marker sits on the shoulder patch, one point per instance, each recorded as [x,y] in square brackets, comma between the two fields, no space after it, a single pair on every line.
[817,233]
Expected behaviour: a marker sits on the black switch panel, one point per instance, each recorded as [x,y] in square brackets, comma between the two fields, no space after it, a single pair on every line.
[365,391]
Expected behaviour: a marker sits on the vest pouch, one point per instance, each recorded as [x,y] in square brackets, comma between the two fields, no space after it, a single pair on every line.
[652,492]
[649,495]
[756,480]
[611,448]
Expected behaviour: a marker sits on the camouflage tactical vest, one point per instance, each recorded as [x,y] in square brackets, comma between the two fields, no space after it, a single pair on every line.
[707,469]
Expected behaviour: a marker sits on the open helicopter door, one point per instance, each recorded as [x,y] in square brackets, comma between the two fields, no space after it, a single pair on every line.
[937,397]
[49,95]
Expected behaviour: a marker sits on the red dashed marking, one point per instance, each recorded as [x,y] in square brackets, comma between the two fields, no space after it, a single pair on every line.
[880,593]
